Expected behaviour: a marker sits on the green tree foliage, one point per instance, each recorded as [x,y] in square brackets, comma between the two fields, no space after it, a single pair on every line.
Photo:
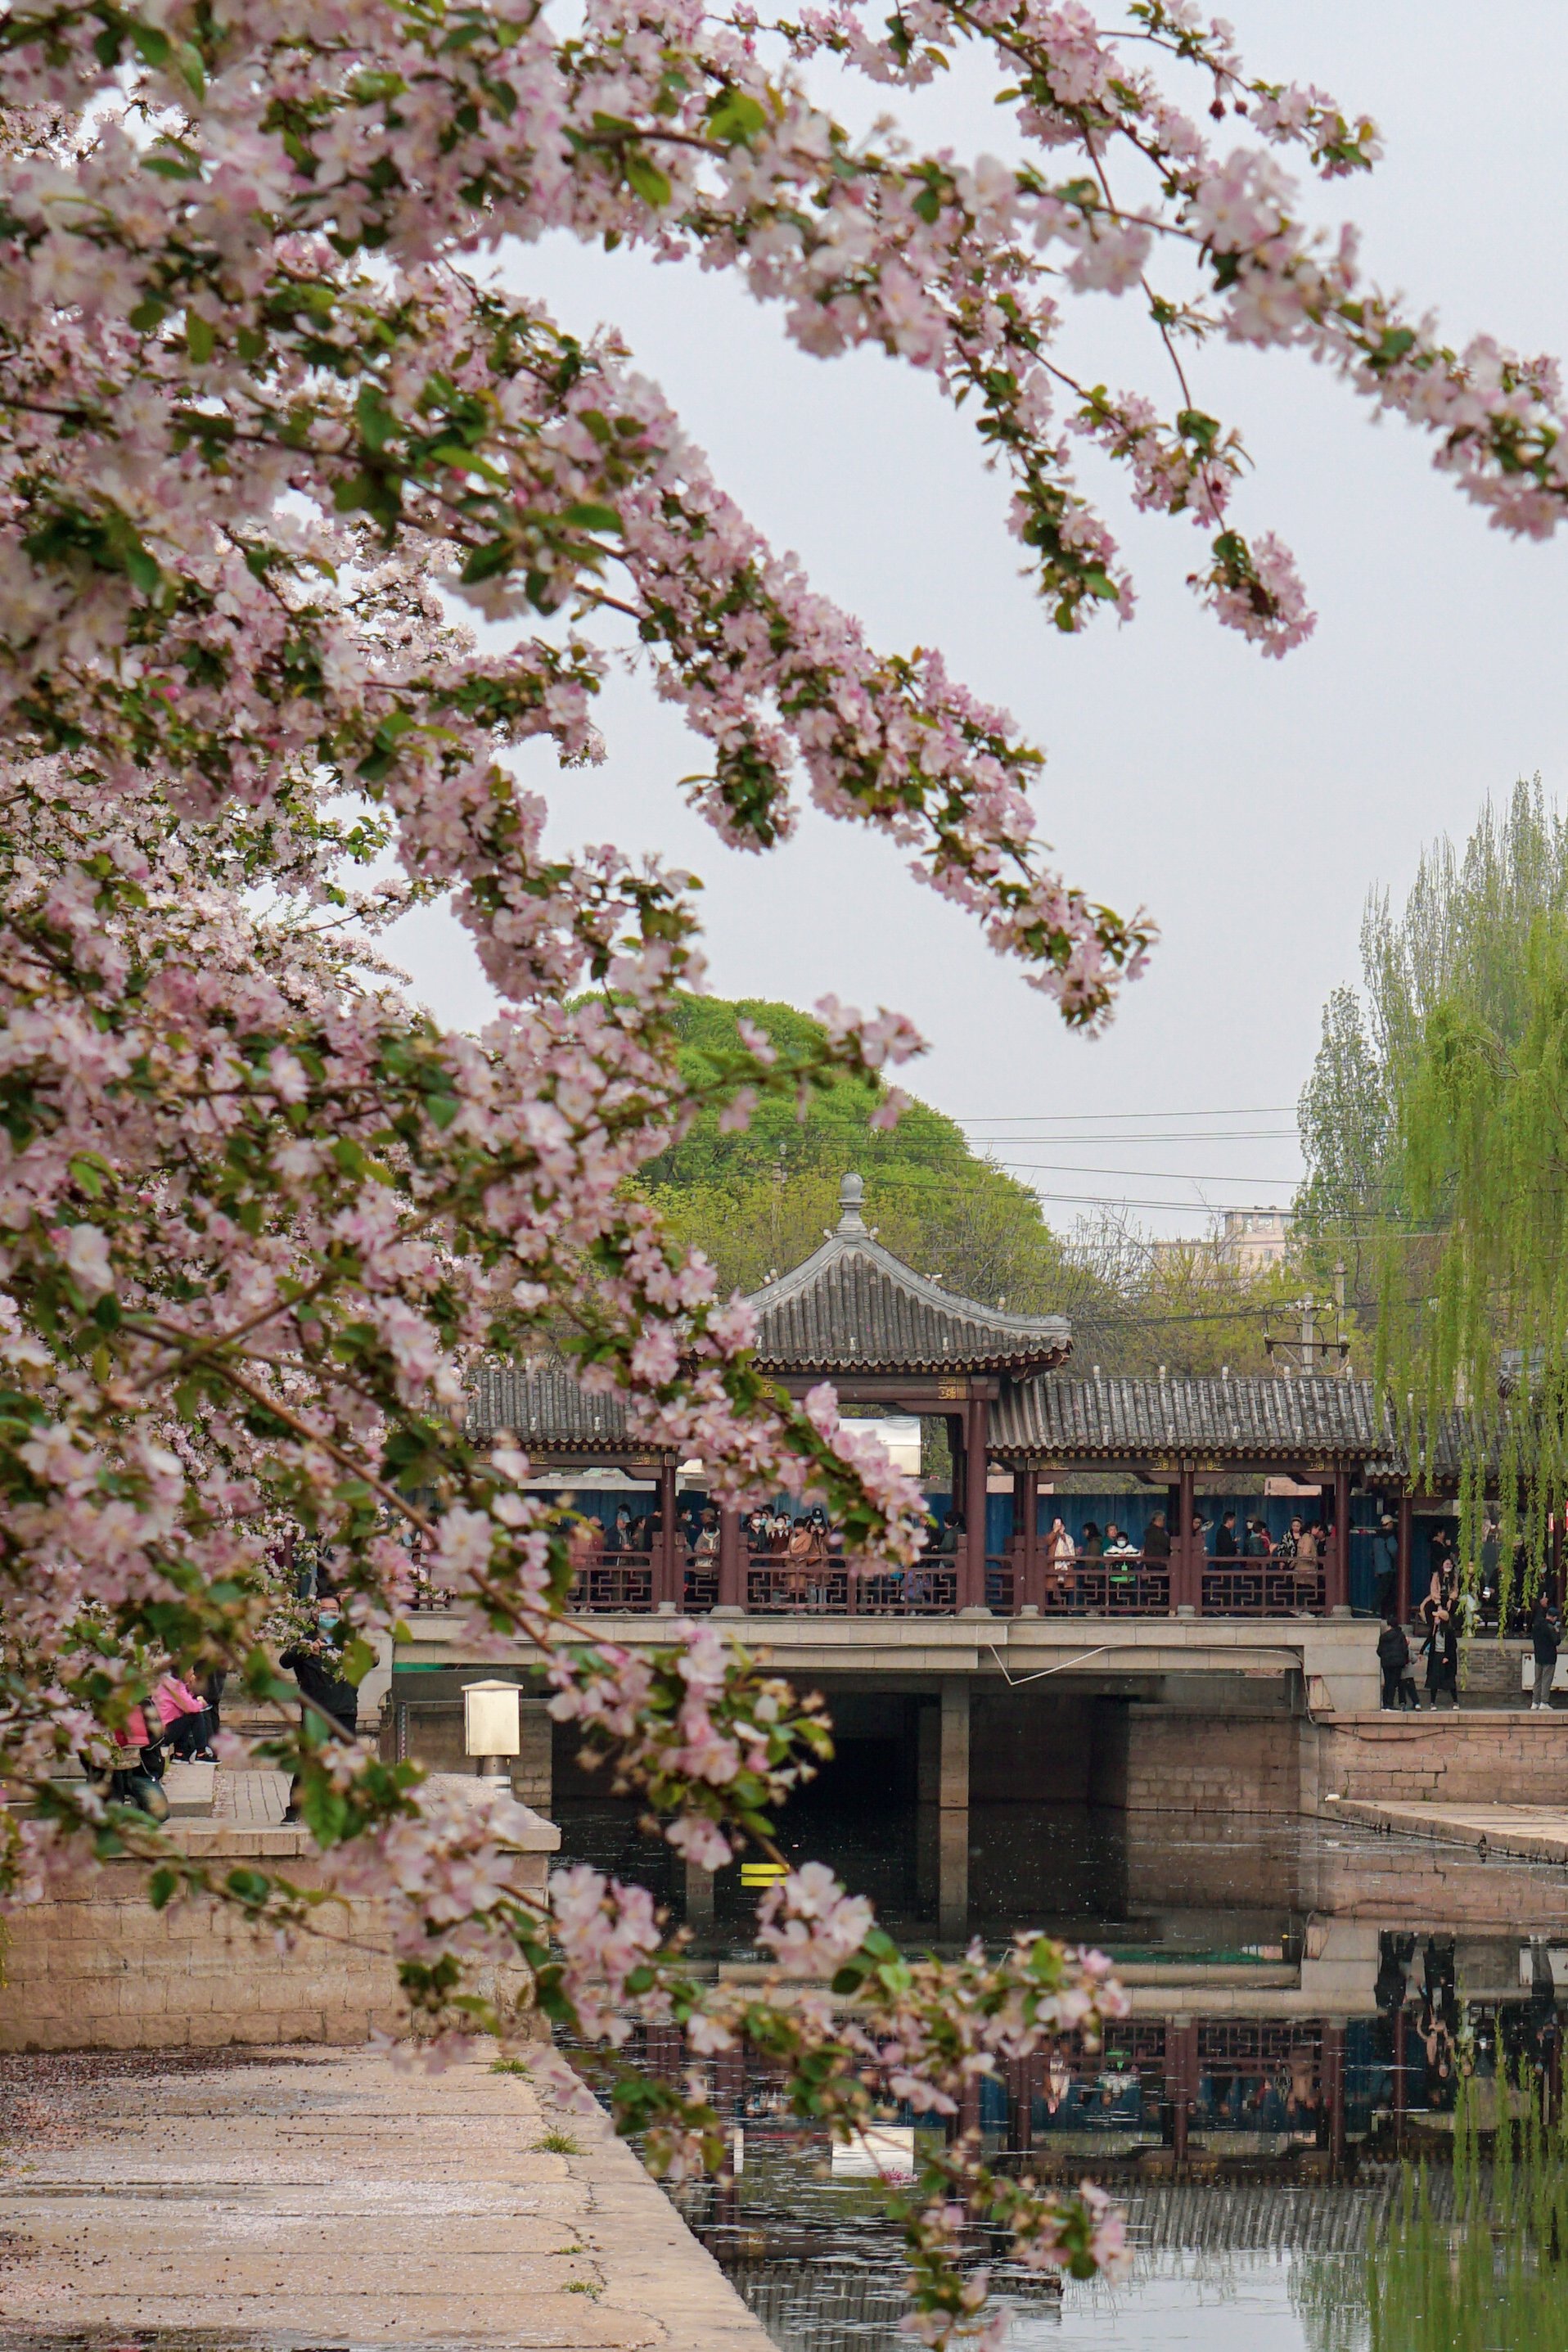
[1435,1121]
[757,1200]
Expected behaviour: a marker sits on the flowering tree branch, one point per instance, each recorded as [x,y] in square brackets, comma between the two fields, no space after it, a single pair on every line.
[270,421]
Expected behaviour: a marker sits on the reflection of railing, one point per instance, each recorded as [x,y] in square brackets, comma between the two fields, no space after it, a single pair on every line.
[1262,1588]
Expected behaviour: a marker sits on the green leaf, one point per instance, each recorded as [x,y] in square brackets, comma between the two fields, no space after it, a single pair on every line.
[644,175]
[587,517]
[735,117]
[358,1659]
[200,338]
[162,1887]
[142,570]
[376,421]
[154,48]
[495,556]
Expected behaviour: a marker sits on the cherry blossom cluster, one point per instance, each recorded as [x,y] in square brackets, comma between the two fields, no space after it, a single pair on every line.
[277,436]
[864,2027]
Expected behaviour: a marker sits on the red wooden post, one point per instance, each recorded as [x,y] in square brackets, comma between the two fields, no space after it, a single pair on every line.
[1181,2082]
[971,1586]
[669,1562]
[732,1571]
[1557,1556]
[1402,1583]
[1028,1567]
[1186,1571]
[1333,2090]
[1337,1594]
[1400,2096]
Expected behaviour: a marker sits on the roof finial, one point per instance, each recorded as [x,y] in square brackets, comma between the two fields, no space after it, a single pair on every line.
[851,1192]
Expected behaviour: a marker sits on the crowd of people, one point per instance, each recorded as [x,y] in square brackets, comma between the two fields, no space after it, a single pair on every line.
[1447,1613]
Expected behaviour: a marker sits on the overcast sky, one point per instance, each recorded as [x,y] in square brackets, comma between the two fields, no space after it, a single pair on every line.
[1248,804]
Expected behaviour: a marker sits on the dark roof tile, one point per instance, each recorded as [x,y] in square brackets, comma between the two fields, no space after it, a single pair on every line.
[1058,1418]
[854,1307]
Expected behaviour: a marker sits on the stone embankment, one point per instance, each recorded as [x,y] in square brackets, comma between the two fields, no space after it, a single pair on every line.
[95,1967]
[315,2199]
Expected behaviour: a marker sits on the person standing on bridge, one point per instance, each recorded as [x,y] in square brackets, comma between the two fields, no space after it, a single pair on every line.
[1545,1642]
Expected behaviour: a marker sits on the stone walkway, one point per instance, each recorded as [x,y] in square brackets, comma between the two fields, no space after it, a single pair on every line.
[255,1799]
[1534,1832]
[313,2200]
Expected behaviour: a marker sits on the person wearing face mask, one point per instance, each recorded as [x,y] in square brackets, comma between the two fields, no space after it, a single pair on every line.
[315,1661]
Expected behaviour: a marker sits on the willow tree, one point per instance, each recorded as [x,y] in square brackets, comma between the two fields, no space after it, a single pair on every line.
[1435,1126]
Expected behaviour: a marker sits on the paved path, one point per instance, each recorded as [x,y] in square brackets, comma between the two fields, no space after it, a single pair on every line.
[308,2201]
[256,1799]
[1539,1833]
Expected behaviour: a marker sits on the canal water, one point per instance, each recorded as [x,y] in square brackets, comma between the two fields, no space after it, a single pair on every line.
[1320,2014]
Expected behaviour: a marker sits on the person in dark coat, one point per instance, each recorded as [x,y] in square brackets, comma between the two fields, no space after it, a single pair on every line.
[1544,1641]
[1386,1564]
[315,1661]
[1442,1648]
[1393,1656]
[1157,1539]
[1225,1541]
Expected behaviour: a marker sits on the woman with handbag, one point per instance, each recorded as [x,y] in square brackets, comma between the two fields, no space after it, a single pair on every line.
[139,1783]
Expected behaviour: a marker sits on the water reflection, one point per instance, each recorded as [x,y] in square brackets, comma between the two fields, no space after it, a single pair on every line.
[1322,2019]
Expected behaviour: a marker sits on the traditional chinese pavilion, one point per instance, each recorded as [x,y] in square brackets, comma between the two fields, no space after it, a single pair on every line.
[893,1342]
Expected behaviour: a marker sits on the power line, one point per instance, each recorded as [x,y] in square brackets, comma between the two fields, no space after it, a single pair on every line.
[1156,1175]
[1210,1135]
[1062,1118]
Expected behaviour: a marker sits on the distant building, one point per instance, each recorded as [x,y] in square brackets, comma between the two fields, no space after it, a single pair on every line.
[1242,1241]
[1252,1239]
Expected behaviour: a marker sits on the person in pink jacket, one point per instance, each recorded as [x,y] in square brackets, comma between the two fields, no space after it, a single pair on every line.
[184,1719]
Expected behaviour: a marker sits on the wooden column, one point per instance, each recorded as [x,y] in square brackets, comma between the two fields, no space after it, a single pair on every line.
[669,1565]
[1186,1573]
[1333,2090]
[731,1568]
[1557,1556]
[1337,1590]
[1026,1513]
[1400,2096]
[1402,1579]
[972,1584]
[1181,2082]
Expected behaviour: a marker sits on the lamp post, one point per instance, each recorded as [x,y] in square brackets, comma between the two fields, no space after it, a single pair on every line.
[491,1726]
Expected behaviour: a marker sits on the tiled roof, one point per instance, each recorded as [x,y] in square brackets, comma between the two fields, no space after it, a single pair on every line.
[543,1405]
[1057,1418]
[854,1307]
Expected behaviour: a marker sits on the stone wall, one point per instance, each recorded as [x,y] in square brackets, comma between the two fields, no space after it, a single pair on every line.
[1469,1757]
[1177,1760]
[96,1967]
